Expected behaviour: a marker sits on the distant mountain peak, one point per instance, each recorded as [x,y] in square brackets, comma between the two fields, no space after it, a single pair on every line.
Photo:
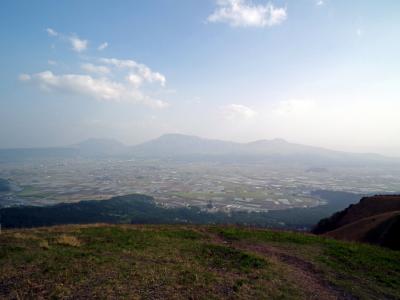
[279,140]
[177,144]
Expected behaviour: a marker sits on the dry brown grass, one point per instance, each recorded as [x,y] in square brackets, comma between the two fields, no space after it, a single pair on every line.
[25,236]
[68,240]
[44,244]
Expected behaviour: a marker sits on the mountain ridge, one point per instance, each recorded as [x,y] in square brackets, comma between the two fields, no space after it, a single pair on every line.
[279,150]
[175,145]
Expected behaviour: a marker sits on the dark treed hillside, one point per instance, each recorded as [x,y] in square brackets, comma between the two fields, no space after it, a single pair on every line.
[4,185]
[143,209]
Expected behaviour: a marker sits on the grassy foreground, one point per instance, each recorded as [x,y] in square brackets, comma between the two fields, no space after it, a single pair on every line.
[190,262]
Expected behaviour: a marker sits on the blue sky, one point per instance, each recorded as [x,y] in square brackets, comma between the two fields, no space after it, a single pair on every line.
[325,73]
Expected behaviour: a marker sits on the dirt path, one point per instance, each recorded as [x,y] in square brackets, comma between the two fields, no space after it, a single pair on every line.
[301,272]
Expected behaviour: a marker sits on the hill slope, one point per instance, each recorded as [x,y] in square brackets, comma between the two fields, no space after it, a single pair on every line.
[181,262]
[382,229]
[374,219]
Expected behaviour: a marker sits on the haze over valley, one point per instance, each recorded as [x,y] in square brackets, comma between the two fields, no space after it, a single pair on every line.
[180,171]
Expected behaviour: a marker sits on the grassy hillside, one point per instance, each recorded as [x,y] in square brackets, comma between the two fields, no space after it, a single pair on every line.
[181,262]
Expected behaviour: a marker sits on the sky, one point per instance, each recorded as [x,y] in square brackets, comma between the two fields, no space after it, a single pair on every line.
[316,72]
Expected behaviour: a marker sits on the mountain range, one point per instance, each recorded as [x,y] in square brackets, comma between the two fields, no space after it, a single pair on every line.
[186,146]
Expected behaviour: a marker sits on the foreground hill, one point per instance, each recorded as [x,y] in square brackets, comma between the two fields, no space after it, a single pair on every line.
[374,220]
[198,262]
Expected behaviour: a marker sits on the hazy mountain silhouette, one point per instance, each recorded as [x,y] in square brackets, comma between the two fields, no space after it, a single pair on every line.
[179,145]
[175,145]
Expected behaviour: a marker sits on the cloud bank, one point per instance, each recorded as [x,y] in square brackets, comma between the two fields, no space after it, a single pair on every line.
[105,79]
[86,85]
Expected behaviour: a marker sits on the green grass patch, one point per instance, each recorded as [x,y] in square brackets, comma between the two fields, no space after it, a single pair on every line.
[237,234]
[229,258]
[371,270]
[365,271]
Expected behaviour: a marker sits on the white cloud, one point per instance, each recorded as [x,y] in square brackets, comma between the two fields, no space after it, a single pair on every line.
[243,13]
[78,45]
[51,32]
[52,62]
[294,107]
[95,69]
[102,46]
[109,79]
[320,2]
[140,70]
[135,80]
[238,111]
[119,63]
[97,88]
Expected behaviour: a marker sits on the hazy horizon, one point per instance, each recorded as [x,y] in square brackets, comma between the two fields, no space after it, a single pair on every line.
[321,73]
[110,139]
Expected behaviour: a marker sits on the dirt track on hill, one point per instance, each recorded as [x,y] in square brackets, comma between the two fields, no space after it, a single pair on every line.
[300,271]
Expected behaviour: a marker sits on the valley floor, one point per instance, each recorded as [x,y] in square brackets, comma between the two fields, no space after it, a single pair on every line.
[190,262]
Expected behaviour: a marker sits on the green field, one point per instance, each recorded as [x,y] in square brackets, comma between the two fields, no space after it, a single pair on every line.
[183,262]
